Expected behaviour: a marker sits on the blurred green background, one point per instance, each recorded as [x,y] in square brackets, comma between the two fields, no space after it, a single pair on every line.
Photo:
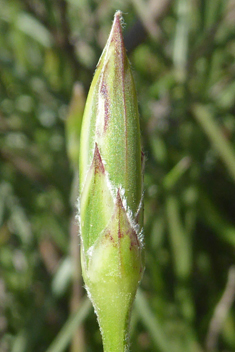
[183,57]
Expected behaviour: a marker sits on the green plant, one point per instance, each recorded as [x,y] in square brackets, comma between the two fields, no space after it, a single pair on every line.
[111,193]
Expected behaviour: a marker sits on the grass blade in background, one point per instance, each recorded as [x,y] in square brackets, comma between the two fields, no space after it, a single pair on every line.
[216,137]
[153,326]
[65,335]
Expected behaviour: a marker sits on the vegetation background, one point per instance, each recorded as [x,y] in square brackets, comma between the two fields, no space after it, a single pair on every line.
[183,56]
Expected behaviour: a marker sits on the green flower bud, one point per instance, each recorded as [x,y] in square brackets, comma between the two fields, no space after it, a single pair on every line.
[111,191]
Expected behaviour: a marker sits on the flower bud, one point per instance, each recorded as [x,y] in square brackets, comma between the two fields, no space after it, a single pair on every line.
[111,192]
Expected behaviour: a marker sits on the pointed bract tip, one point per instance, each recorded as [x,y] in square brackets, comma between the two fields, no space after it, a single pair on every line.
[119,199]
[116,31]
[97,161]
[118,16]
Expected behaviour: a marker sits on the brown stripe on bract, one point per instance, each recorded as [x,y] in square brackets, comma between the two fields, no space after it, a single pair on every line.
[104,92]
[120,59]
[117,40]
